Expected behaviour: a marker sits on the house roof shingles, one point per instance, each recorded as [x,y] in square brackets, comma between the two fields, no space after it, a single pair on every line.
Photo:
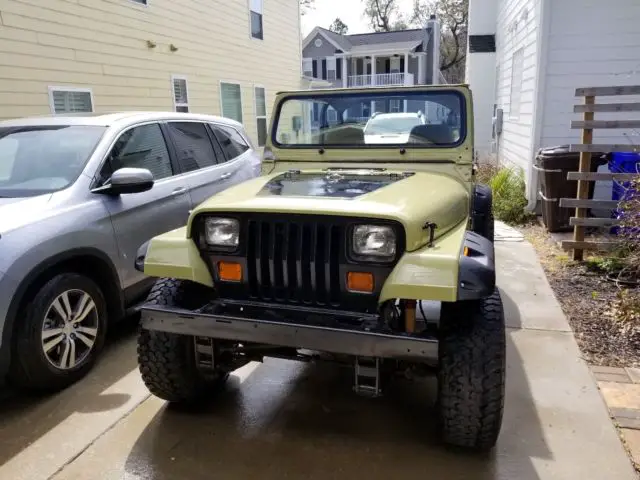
[405,37]
[400,36]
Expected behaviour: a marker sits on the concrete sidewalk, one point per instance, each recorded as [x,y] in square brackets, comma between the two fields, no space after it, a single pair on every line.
[553,406]
[288,420]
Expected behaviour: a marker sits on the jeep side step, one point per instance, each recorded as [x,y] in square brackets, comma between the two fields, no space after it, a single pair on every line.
[367,377]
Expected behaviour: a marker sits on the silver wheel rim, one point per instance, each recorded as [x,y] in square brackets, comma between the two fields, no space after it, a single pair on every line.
[70,329]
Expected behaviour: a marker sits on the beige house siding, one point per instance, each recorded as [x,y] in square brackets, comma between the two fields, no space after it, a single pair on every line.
[102,45]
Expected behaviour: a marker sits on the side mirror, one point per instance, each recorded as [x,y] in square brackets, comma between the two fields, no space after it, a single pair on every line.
[127,180]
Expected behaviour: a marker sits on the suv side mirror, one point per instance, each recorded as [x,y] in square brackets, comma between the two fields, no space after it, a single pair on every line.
[127,180]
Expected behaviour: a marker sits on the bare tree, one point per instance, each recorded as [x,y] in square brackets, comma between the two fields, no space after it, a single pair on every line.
[306,5]
[453,16]
[384,15]
[338,26]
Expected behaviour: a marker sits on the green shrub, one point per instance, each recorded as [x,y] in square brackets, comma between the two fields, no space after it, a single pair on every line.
[509,200]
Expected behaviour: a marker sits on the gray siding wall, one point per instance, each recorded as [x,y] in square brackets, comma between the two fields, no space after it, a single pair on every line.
[325,50]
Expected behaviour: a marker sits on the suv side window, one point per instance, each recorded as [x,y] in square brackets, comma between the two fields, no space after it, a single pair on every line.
[139,147]
[231,141]
[193,145]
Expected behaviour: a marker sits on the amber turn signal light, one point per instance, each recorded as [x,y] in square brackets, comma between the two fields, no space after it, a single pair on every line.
[360,282]
[466,251]
[230,271]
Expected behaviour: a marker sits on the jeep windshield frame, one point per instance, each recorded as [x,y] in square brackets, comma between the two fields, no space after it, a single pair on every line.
[440,124]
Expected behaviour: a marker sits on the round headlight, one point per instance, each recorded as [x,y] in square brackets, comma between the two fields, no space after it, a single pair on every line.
[374,241]
[222,232]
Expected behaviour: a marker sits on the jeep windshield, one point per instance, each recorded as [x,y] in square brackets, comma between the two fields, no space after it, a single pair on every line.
[372,119]
[36,160]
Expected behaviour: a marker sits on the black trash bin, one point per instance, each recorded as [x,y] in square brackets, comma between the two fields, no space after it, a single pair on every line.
[554,163]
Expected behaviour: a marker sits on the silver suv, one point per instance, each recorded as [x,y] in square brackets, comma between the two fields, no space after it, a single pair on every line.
[78,196]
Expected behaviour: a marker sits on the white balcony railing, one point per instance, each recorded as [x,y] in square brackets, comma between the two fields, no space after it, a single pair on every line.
[380,80]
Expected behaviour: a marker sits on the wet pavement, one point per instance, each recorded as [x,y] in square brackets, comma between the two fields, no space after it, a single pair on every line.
[283,419]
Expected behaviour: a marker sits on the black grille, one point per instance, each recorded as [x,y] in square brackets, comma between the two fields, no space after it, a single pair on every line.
[294,262]
[298,260]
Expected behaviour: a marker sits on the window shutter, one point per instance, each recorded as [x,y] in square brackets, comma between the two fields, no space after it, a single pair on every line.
[339,68]
[231,101]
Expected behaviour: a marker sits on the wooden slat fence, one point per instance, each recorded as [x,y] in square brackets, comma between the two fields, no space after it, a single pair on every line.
[581,203]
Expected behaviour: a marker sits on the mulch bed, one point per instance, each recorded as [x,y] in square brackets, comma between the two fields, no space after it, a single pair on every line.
[587,299]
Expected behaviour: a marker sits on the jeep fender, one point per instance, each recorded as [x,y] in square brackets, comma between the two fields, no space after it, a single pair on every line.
[173,255]
[458,266]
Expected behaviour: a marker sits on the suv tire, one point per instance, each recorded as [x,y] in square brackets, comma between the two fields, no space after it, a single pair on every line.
[43,339]
[471,378]
[483,221]
[166,360]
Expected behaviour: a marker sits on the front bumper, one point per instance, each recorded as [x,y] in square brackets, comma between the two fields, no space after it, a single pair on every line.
[344,341]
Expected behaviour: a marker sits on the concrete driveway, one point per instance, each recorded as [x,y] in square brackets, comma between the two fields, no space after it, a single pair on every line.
[282,419]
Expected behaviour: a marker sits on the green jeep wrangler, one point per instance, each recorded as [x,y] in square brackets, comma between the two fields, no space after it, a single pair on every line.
[367,206]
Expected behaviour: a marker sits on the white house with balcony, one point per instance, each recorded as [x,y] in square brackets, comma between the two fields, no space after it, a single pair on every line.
[403,57]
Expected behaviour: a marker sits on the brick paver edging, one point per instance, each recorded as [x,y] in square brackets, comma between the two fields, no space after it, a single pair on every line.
[620,388]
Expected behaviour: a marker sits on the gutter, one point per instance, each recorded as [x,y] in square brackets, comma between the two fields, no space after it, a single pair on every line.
[542,36]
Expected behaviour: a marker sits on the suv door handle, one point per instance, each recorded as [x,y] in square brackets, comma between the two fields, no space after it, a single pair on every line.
[179,190]
[224,176]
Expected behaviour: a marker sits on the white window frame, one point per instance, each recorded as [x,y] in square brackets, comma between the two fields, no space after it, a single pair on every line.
[307,62]
[332,62]
[173,92]
[260,11]
[515,95]
[65,88]
[232,82]
[255,107]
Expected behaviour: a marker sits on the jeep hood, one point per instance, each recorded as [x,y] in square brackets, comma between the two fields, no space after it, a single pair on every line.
[412,198]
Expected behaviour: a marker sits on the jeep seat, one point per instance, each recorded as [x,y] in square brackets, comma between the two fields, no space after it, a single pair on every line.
[345,136]
[433,134]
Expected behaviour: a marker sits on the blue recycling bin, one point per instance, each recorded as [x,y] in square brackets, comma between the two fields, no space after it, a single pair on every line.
[623,162]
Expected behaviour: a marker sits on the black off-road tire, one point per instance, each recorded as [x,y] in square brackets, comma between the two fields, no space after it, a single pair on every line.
[471,378]
[29,367]
[483,221]
[166,360]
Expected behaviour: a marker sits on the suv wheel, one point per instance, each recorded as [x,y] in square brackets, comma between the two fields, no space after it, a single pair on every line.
[167,361]
[59,333]
[471,379]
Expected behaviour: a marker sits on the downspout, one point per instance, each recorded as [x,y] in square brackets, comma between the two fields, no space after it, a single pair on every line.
[542,40]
